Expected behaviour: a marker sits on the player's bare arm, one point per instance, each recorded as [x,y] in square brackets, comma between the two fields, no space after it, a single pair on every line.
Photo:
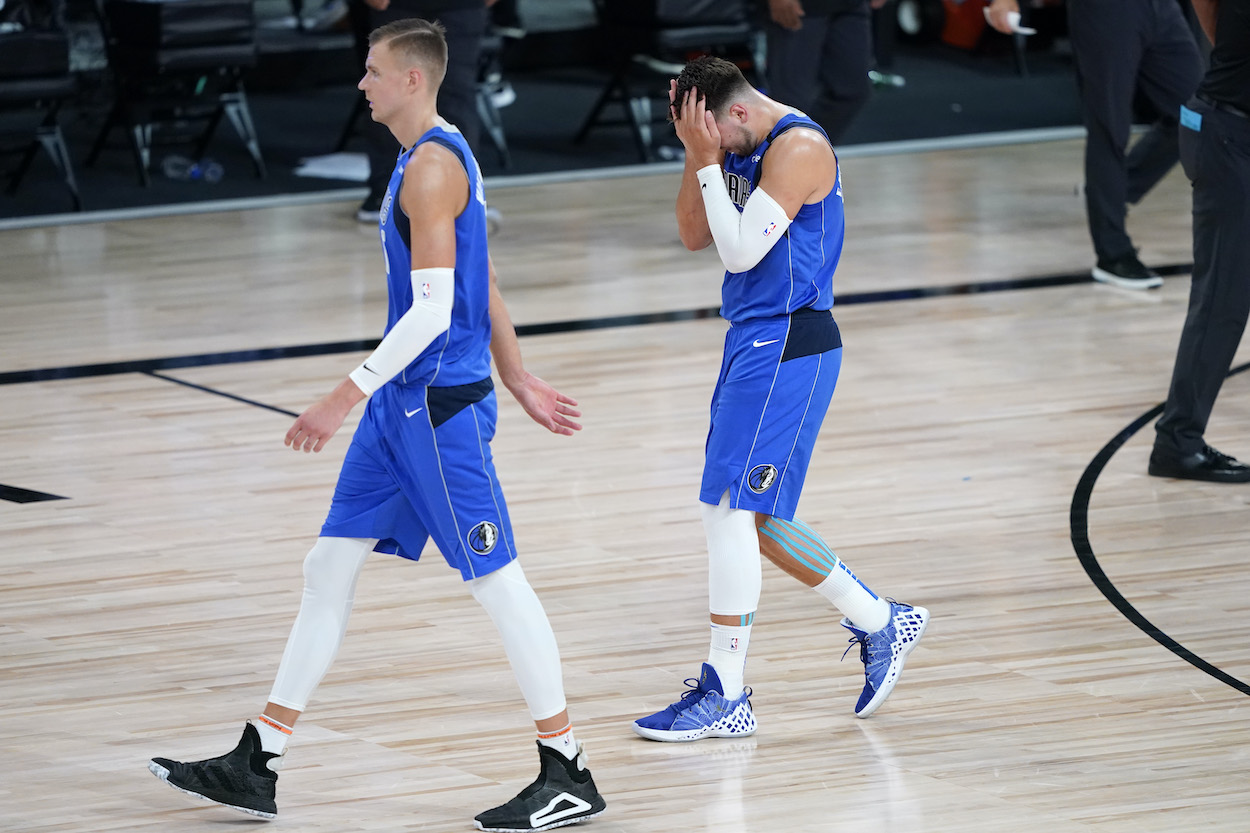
[432,202]
[692,223]
[801,168]
[547,406]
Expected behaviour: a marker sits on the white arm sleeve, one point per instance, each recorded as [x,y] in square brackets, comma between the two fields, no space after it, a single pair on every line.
[433,292]
[742,238]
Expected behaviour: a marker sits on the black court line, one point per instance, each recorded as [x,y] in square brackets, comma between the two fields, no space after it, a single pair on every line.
[82,371]
[216,392]
[360,345]
[1079,519]
[15,494]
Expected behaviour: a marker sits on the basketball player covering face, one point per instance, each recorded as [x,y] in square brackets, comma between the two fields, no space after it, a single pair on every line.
[762,182]
[419,465]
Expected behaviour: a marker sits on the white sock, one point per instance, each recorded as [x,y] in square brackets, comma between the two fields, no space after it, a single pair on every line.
[273,735]
[728,655]
[561,740]
[859,604]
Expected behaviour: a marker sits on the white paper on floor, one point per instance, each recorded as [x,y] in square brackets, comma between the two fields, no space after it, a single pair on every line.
[353,166]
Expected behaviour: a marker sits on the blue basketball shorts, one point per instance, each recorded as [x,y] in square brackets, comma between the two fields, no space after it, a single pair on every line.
[420,467]
[776,380]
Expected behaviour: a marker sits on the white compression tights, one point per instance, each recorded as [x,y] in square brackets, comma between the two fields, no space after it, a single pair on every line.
[527,637]
[733,548]
[330,573]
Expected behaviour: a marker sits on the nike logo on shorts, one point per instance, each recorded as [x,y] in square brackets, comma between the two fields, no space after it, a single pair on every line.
[411,414]
[758,343]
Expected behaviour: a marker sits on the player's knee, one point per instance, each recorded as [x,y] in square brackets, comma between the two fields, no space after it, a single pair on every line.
[507,584]
[332,565]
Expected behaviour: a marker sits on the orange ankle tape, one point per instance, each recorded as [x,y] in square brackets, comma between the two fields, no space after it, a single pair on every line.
[273,724]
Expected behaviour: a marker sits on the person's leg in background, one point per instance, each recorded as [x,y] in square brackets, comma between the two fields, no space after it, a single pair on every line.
[794,57]
[845,59]
[884,35]
[456,97]
[1211,144]
[1169,74]
[1108,38]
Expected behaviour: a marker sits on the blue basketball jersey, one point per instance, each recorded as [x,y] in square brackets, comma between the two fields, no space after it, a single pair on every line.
[419,466]
[462,354]
[798,271]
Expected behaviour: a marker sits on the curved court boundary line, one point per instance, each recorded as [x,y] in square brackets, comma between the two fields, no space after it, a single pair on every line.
[1079,519]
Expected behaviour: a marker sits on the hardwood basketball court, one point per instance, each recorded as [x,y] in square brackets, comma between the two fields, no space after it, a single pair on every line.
[144,612]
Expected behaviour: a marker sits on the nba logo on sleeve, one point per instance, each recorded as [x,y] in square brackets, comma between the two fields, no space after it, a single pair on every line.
[770,229]
[425,291]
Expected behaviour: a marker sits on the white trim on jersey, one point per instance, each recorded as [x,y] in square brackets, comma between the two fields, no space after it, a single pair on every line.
[742,237]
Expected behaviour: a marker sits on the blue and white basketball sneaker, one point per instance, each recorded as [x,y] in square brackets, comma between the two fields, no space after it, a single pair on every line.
[702,712]
[884,652]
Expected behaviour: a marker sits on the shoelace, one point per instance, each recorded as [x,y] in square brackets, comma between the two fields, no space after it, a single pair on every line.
[863,648]
[1218,456]
[693,691]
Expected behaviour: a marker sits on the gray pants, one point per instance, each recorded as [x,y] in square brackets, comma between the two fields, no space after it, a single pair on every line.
[1217,160]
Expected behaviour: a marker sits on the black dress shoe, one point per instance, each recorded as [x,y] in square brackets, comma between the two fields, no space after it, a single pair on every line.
[1208,464]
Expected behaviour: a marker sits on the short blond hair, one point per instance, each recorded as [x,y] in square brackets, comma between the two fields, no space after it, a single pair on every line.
[420,42]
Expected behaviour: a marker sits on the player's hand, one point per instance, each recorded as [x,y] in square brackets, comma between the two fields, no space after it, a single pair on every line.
[314,428]
[378,5]
[697,130]
[547,406]
[788,14]
[996,13]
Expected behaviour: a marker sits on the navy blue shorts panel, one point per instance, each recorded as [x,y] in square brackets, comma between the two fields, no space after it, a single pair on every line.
[765,416]
[404,481]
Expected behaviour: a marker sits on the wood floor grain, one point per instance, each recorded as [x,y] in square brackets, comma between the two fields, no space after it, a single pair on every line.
[145,614]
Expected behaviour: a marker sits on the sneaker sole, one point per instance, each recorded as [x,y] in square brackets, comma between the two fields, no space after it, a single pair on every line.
[669,736]
[1158,471]
[552,826]
[163,774]
[1103,276]
[881,696]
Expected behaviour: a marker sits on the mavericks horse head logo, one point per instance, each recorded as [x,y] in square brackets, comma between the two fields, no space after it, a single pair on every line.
[483,537]
[761,478]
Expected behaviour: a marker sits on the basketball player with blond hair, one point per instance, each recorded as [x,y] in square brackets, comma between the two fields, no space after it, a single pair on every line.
[419,465]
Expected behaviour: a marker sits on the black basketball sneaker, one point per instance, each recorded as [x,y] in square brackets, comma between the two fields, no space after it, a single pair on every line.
[564,793]
[240,779]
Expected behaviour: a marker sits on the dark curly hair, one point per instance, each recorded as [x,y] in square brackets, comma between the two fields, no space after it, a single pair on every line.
[719,81]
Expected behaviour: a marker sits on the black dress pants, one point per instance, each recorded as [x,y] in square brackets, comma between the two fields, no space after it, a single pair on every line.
[1122,47]
[1216,158]
[822,69]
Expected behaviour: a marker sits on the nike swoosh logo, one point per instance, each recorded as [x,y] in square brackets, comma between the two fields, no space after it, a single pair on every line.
[411,414]
[758,343]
